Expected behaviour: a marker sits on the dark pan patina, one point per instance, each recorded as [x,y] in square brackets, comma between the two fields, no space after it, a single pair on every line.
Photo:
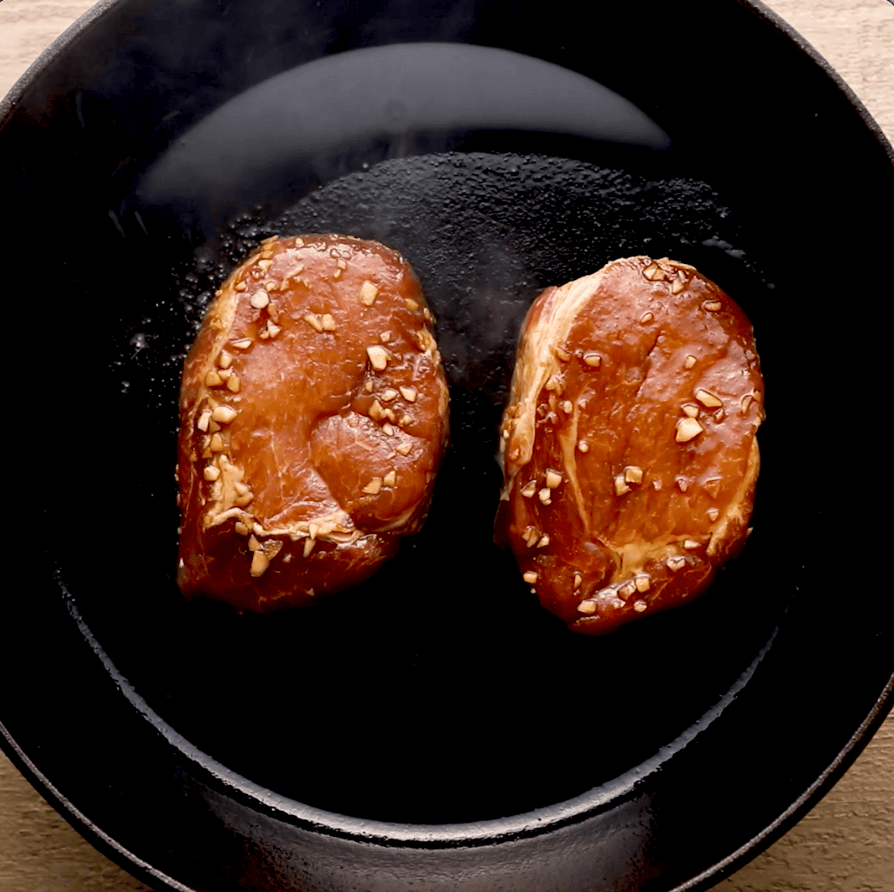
[435,729]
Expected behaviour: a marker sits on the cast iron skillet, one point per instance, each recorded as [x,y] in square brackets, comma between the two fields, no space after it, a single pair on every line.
[436,730]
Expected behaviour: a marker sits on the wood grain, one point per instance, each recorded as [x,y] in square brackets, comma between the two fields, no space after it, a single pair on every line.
[844,844]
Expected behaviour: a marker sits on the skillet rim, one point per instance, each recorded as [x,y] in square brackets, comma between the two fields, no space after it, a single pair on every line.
[840,764]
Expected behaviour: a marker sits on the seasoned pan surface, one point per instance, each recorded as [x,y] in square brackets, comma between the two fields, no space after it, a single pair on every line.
[435,719]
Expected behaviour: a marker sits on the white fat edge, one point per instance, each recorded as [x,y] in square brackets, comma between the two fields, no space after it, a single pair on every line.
[739,510]
[537,363]
[570,478]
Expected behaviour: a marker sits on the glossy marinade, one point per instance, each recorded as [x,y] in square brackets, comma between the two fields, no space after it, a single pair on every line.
[313,418]
[629,442]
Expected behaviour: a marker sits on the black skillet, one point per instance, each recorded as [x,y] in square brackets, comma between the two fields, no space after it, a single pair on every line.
[435,729]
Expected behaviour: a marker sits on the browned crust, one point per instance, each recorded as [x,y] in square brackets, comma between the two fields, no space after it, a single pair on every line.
[313,418]
[629,442]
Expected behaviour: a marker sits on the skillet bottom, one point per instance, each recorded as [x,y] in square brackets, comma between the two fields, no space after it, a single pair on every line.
[439,691]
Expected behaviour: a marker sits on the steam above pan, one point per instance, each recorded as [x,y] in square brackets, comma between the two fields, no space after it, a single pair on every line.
[317,121]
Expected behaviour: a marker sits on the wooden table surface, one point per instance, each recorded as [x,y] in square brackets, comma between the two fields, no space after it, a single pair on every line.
[844,844]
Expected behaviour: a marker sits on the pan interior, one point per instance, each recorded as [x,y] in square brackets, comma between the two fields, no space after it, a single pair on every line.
[439,691]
